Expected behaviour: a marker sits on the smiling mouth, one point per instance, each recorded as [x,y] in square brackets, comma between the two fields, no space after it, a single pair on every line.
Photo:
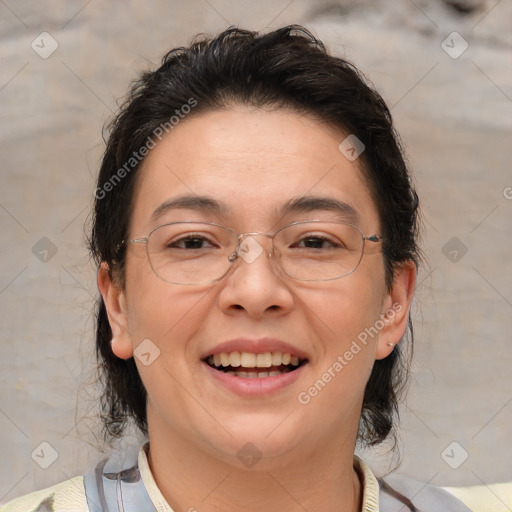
[248,365]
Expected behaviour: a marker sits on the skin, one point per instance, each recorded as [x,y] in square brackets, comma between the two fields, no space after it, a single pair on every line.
[254,161]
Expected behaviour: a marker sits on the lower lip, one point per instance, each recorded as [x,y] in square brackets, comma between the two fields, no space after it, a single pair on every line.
[258,386]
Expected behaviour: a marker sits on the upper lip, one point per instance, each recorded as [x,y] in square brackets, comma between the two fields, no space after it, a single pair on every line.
[256,346]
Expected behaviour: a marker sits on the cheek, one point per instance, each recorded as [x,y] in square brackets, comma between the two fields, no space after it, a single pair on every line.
[343,310]
[163,321]
[342,318]
[167,316]
[165,313]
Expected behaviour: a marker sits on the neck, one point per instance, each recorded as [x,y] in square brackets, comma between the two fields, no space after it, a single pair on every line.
[192,480]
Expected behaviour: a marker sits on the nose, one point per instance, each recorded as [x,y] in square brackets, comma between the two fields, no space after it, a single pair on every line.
[255,284]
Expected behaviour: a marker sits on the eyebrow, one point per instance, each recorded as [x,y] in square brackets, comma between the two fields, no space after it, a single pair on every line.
[190,202]
[302,204]
[306,204]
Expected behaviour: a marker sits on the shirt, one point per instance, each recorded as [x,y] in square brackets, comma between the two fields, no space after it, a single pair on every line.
[118,484]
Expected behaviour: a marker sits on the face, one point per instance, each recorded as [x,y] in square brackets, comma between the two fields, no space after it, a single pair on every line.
[252,162]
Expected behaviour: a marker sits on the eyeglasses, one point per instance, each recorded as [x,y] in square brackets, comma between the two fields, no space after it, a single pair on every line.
[203,252]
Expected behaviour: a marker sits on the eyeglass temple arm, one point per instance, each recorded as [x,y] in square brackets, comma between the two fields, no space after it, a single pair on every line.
[135,241]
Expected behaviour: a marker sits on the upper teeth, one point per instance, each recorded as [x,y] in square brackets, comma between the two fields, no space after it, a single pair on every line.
[251,360]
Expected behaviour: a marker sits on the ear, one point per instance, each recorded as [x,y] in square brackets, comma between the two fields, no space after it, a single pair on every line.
[395,309]
[115,303]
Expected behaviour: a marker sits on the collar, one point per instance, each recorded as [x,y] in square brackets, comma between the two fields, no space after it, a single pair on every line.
[369,484]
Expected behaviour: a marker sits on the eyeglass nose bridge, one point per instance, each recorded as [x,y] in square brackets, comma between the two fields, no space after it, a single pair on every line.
[238,249]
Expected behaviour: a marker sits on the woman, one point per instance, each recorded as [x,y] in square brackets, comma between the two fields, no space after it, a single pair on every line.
[255,231]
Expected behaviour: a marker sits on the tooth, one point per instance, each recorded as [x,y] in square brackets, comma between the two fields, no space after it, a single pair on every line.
[241,374]
[264,360]
[273,374]
[224,359]
[277,359]
[286,358]
[216,360]
[234,359]
[252,375]
[247,360]
[210,360]
[262,374]
[294,360]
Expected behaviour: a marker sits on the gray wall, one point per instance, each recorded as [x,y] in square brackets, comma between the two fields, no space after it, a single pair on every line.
[454,115]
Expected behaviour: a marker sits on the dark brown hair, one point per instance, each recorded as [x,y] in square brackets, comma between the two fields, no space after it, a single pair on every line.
[285,68]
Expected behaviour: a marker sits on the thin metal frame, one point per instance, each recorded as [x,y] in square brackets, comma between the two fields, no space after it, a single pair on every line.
[240,237]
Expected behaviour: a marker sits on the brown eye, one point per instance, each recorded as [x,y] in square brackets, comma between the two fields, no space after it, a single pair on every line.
[190,242]
[317,242]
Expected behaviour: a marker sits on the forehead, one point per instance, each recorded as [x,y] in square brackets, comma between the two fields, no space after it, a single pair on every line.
[253,164]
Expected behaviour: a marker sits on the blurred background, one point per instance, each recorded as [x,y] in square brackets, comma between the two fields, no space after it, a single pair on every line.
[444,68]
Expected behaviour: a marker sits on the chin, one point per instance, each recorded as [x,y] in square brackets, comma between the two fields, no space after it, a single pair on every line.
[257,443]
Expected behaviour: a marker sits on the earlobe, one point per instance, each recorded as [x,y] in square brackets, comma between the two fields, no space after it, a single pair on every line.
[115,303]
[122,347]
[396,307]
